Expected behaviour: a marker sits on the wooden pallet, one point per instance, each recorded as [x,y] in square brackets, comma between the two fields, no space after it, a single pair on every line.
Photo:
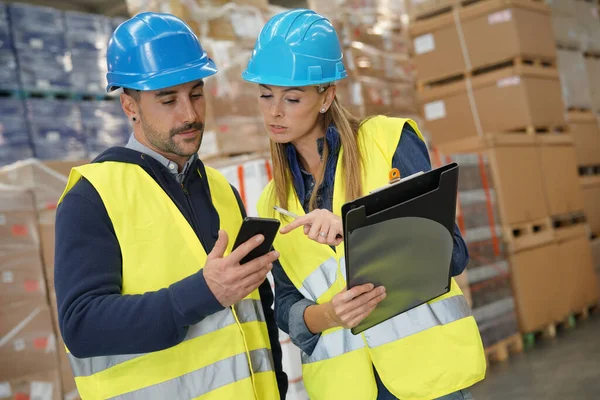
[585,312]
[548,332]
[522,61]
[448,8]
[569,225]
[589,170]
[528,234]
[499,352]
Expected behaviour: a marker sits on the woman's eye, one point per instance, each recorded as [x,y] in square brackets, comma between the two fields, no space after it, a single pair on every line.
[266,96]
[293,100]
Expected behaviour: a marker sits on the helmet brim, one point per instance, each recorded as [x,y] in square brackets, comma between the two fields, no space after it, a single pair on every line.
[167,79]
[285,82]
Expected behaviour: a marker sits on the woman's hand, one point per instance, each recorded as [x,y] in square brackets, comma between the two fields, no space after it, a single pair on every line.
[349,307]
[319,225]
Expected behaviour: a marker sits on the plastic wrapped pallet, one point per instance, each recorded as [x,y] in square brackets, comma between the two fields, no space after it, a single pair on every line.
[87,31]
[588,18]
[592,67]
[365,60]
[9,74]
[5,38]
[488,268]
[56,129]
[573,79]
[104,125]
[89,72]
[14,131]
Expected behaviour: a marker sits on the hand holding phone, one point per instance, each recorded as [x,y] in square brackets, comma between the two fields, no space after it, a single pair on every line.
[235,276]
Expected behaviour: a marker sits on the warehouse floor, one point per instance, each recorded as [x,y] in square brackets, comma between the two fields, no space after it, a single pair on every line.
[565,368]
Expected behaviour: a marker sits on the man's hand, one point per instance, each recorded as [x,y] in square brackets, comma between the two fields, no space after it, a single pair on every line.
[229,281]
[319,225]
[349,307]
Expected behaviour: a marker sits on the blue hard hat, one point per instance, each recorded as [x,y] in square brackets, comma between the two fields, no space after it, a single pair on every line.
[296,48]
[153,51]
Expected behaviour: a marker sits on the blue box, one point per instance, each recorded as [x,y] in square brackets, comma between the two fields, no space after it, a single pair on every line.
[30,18]
[41,70]
[39,41]
[87,31]
[9,72]
[15,152]
[105,125]
[14,128]
[5,38]
[56,129]
[89,72]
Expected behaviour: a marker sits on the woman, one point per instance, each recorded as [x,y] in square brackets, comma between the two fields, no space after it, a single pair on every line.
[433,351]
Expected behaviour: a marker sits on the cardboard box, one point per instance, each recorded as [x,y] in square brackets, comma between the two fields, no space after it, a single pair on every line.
[27,338]
[383,33]
[536,274]
[578,276]
[510,99]
[37,386]
[595,245]
[568,32]
[366,96]
[46,228]
[419,8]
[591,200]
[561,182]
[516,175]
[364,60]
[573,79]
[236,136]
[585,131]
[494,31]
[592,67]
[17,218]
[21,275]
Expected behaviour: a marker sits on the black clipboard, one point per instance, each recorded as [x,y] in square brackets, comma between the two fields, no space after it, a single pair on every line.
[402,237]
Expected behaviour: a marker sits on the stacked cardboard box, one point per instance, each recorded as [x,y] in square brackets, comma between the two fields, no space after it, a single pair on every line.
[376,54]
[489,86]
[30,190]
[28,358]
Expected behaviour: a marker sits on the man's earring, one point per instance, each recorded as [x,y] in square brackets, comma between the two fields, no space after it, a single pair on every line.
[134,119]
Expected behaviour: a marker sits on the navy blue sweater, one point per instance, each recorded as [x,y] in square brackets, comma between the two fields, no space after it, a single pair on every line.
[95,319]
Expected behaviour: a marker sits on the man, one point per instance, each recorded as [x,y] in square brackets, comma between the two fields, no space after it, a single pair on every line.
[152,302]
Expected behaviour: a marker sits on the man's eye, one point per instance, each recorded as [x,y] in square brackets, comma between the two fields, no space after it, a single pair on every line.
[168,102]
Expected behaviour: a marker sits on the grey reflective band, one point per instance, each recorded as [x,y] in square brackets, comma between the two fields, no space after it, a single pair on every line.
[401,326]
[417,320]
[320,280]
[247,310]
[205,380]
[334,344]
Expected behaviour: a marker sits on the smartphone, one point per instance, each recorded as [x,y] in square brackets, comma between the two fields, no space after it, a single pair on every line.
[252,226]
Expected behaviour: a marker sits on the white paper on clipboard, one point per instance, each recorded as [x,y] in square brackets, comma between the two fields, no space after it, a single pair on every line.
[395,183]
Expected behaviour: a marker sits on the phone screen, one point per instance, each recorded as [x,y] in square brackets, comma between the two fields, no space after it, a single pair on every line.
[253,226]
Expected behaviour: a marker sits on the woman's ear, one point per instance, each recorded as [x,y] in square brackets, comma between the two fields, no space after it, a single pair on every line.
[329,97]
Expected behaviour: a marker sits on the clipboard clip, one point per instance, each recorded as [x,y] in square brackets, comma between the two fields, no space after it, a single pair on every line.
[394,178]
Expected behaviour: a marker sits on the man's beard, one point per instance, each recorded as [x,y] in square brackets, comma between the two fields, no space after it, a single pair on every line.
[155,138]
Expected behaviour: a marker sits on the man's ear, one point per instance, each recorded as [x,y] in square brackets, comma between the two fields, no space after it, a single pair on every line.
[130,107]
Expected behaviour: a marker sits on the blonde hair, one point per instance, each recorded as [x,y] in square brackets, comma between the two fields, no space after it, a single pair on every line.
[347,126]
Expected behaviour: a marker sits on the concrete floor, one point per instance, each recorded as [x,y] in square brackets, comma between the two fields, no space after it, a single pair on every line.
[565,368]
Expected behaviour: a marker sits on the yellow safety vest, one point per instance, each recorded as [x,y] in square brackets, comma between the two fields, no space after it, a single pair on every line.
[425,353]
[225,356]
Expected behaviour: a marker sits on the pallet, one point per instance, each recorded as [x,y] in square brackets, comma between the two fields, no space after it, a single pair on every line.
[530,61]
[499,352]
[55,95]
[529,234]
[569,225]
[580,110]
[448,8]
[589,170]
[548,332]
[585,312]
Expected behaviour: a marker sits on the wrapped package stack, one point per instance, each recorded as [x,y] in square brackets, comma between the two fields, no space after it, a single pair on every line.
[9,79]
[87,39]
[38,35]
[15,142]
[104,125]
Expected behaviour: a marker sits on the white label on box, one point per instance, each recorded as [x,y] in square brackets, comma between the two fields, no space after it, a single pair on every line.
[8,277]
[510,81]
[435,110]
[36,43]
[53,136]
[424,44]
[43,84]
[2,219]
[499,17]
[19,345]
[41,390]
[5,390]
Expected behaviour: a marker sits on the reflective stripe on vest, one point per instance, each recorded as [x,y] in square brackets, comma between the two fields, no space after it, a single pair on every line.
[319,281]
[334,344]
[248,310]
[205,379]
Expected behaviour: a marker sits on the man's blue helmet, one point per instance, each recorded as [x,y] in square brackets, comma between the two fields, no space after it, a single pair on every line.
[153,51]
[296,48]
